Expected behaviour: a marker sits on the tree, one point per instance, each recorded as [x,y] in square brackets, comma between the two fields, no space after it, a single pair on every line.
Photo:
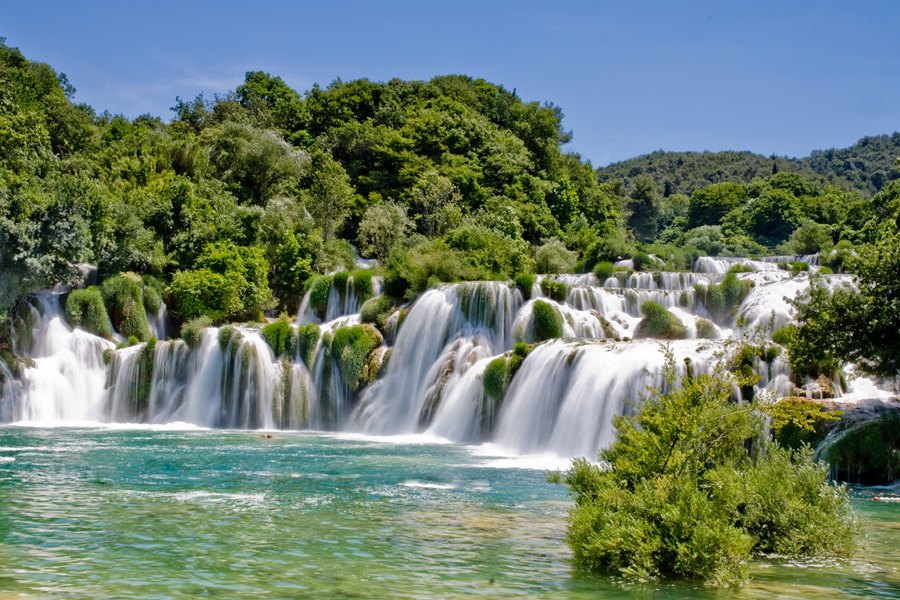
[330,194]
[383,226]
[681,496]
[643,209]
[431,196]
[858,325]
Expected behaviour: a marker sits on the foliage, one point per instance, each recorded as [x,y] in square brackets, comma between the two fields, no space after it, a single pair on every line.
[85,309]
[377,310]
[706,329]
[799,421]
[866,449]
[496,378]
[124,298]
[681,496]
[659,322]
[641,260]
[351,347]
[319,290]
[525,283]
[555,290]
[721,299]
[281,337]
[383,226]
[603,271]
[548,322]
[307,339]
[192,331]
[554,257]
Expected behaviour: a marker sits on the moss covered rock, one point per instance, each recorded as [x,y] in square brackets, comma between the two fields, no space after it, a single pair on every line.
[307,340]
[85,309]
[548,322]
[351,347]
[192,331]
[123,295]
[281,337]
[377,311]
[319,288]
[659,322]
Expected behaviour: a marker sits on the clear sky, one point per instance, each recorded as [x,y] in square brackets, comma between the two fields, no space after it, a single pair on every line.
[782,77]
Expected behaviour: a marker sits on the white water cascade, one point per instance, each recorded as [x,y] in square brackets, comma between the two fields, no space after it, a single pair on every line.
[559,398]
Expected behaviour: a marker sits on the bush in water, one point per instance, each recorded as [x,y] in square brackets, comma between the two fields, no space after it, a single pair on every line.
[351,347]
[659,322]
[307,339]
[281,337]
[682,497]
[548,323]
[525,283]
[124,298]
[85,309]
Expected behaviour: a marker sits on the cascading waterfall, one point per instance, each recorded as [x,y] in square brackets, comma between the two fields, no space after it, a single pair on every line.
[560,397]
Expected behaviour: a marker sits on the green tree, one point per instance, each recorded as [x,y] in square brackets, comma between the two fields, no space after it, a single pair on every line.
[383,226]
[330,194]
[643,209]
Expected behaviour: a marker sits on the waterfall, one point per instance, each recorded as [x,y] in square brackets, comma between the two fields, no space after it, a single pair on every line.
[559,396]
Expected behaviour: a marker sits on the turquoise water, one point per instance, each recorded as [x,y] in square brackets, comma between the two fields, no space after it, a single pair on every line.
[174,514]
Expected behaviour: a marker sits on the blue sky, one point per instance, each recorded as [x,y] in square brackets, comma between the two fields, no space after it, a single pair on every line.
[782,77]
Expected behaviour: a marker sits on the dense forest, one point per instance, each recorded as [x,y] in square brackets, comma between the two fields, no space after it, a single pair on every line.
[864,167]
[235,205]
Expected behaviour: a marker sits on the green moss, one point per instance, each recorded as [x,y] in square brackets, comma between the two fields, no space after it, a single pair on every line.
[153,293]
[339,280]
[706,329]
[548,322]
[351,346]
[280,337]
[825,270]
[124,298]
[320,287]
[307,339]
[192,331]
[142,383]
[525,283]
[798,266]
[495,379]
[603,271]
[740,268]
[108,356]
[227,334]
[659,322]
[641,261]
[362,284]
[85,309]
[377,311]
[555,290]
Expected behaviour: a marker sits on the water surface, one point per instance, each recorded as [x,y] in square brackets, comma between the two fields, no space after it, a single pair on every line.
[169,513]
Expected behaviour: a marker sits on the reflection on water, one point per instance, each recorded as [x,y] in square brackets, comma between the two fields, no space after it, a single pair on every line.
[141,513]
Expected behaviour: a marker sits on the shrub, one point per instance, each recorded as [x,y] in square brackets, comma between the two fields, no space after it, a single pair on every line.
[227,335]
[555,290]
[202,292]
[307,339]
[723,299]
[548,322]
[641,260]
[85,309]
[124,298]
[319,289]
[706,329]
[659,322]
[362,284]
[351,346]
[554,257]
[682,497]
[153,293]
[603,271]
[496,378]
[377,311]
[799,421]
[740,268]
[783,335]
[280,337]
[192,331]
[525,283]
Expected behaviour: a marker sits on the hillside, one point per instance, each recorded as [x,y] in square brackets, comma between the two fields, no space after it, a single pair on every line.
[863,167]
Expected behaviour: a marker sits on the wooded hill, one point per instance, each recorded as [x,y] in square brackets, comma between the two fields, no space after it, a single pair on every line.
[864,167]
